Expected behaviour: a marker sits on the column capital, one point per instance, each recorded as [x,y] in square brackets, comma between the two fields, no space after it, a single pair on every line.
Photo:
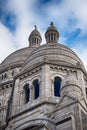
[31,86]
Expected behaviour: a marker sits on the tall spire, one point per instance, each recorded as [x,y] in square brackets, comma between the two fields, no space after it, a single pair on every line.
[35,38]
[52,35]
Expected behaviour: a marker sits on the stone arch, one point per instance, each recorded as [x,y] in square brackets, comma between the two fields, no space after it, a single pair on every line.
[30,80]
[37,88]
[36,122]
[52,83]
[27,81]
[6,101]
[56,75]
[36,77]
[57,85]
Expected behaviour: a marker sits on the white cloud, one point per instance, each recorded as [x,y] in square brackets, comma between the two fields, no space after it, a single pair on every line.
[23,11]
[76,9]
[6,39]
[26,18]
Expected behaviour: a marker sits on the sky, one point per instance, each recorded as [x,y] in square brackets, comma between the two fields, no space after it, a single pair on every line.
[18,17]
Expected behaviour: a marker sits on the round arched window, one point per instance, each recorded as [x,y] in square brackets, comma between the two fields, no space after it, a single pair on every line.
[27,93]
[57,84]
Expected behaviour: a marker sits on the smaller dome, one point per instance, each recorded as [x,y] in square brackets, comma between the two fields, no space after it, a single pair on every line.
[70,85]
[16,59]
[52,34]
[35,38]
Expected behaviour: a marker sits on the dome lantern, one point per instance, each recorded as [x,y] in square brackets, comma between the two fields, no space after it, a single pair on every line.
[35,38]
[52,34]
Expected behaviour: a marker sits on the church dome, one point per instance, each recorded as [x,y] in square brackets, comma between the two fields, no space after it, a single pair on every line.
[16,59]
[35,38]
[56,53]
[52,34]
[35,32]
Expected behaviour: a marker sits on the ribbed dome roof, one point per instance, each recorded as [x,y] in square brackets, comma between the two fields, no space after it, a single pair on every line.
[35,32]
[52,28]
[52,53]
[35,38]
[16,59]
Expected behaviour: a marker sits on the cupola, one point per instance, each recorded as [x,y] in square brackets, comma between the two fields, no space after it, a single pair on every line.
[52,34]
[35,38]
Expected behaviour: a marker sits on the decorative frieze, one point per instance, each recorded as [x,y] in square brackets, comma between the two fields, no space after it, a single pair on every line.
[30,73]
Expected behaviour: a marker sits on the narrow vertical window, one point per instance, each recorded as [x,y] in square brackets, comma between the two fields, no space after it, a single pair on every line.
[2,77]
[86,92]
[54,37]
[36,89]
[5,75]
[13,73]
[51,37]
[27,93]
[32,40]
[35,40]
[57,84]
[0,104]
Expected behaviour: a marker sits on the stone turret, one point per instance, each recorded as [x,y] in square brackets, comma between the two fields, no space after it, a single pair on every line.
[35,38]
[52,35]
[70,85]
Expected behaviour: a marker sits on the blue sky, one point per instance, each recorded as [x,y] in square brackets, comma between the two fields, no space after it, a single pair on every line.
[18,17]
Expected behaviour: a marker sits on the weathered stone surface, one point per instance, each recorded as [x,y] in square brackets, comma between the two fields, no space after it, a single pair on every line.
[43,66]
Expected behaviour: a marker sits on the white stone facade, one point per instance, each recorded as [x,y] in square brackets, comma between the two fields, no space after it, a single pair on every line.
[43,87]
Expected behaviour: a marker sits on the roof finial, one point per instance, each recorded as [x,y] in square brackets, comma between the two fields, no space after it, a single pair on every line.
[35,27]
[51,24]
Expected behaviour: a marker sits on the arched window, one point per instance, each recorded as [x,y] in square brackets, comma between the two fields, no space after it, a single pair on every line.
[36,88]
[27,93]
[86,91]
[5,75]
[13,73]
[35,40]
[0,104]
[2,76]
[57,84]
[51,37]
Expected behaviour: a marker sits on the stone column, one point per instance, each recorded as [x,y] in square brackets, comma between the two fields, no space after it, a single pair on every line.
[31,93]
[45,82]
[15,101]
[22,97]
[52,87]
[39,82]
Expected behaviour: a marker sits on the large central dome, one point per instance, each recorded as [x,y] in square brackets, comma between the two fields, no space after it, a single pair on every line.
[16,59]
[52,53]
